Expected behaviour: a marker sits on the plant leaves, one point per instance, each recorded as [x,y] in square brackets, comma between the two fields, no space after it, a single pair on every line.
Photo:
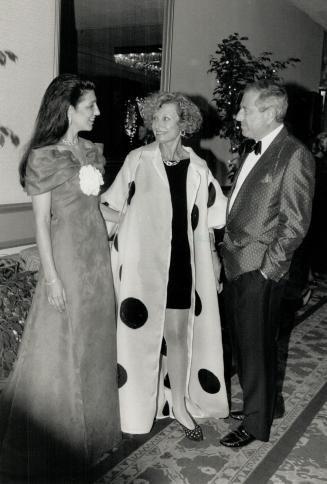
[13,57]
[4,130]
[3,58]
[16,291]
[234,67]
[14,139]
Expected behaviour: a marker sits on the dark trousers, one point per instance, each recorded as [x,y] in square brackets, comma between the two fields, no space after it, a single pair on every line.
[252,305]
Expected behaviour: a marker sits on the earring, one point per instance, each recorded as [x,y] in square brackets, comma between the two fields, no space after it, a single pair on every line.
[183,132]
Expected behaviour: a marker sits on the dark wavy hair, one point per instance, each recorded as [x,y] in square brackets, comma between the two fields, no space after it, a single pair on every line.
[190,118]
[52,121]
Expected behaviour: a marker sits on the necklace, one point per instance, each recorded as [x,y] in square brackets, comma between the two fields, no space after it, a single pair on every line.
[171,163]
[174,160]
[68,142]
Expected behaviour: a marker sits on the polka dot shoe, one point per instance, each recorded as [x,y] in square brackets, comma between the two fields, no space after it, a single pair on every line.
[192,434]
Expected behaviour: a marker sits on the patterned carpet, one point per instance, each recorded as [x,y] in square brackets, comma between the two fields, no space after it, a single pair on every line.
[296,453]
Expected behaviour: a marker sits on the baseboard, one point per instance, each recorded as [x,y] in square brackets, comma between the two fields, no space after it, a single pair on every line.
[17,225]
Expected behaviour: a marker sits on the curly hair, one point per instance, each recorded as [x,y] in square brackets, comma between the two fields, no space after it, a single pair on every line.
[190,118]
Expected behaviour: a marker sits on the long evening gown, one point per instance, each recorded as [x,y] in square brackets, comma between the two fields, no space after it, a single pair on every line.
[59,411]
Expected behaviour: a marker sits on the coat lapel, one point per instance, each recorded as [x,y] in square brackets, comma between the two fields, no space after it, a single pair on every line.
[153,156]
[243,157]
[156,160]
[193,179]
[263,166]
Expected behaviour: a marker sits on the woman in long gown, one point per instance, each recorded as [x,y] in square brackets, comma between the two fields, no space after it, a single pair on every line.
[168,331]
[59,410]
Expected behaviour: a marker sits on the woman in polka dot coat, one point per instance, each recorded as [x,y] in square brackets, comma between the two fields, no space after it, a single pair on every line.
[170,357]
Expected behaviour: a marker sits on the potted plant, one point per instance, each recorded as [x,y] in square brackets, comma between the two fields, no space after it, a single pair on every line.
[17,287]
[234,67]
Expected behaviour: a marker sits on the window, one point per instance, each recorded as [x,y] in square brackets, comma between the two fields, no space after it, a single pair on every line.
[119,45]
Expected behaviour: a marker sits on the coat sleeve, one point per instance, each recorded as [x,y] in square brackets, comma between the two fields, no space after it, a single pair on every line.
[296,195]
[217,203]
[117,193]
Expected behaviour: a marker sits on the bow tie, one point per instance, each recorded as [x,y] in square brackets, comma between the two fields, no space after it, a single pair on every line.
[250,145]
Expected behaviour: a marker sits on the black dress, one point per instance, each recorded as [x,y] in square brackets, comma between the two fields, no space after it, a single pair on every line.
[180,271]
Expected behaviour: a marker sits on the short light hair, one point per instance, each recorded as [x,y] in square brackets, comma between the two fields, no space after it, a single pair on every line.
[271,94]
[190,118]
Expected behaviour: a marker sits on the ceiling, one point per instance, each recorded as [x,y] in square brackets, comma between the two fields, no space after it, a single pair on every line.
[101,14]
[316,9]
[97,14]
[104,24]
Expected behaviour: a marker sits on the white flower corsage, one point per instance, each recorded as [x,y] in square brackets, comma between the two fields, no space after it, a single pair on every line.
[90,180]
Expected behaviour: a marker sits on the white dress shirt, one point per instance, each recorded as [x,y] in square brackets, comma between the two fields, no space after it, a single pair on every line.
[251,160]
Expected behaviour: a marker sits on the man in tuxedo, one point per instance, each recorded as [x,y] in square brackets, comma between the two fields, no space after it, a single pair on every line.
[268,215]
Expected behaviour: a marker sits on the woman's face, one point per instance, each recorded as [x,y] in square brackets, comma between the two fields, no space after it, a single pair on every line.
[165,123]
[85,112]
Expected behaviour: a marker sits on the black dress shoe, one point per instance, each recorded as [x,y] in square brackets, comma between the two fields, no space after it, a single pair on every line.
[280,407]
[237,415]
[237,438]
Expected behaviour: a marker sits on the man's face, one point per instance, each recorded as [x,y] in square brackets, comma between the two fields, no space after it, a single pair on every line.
[255,124]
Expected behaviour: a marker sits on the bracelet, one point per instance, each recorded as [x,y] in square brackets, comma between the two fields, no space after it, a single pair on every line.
[50,282]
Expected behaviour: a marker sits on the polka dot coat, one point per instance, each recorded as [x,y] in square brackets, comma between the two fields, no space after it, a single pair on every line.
[140,260]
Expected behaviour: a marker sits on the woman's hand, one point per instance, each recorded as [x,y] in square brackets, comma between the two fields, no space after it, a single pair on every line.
[109,214]
[56,294]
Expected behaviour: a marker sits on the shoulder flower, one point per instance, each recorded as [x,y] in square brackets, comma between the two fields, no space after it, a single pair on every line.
[90,180]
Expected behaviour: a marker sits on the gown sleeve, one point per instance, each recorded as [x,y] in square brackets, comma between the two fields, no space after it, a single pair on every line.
[47,169]
[94,155]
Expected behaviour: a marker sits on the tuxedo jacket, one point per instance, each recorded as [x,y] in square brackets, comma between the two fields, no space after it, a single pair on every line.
[272,210]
